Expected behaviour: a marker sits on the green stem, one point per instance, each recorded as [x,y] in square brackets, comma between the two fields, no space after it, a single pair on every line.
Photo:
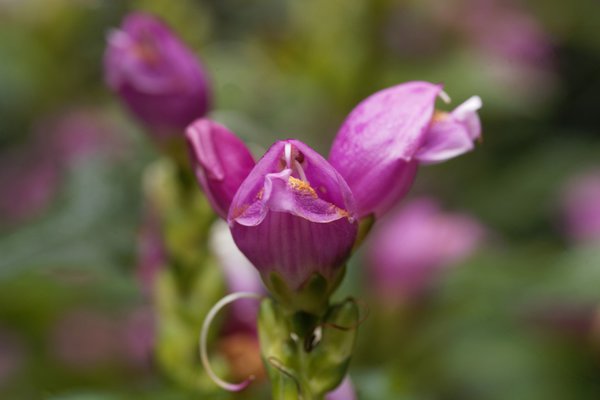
[301,366]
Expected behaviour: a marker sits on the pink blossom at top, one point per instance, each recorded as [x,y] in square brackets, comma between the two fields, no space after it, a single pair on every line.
[156,75]
[414,243]
[581,201]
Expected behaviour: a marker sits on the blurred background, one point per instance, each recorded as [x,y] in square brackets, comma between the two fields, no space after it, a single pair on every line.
[508,309]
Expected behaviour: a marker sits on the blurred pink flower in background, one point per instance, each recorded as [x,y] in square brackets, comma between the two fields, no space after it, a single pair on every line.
[414,243]
[32,173]
[508,39]
[89,339]
[85,339]
[12,354]
[581,203]
[151,250]
[503,29]
[137,331]
[30,178]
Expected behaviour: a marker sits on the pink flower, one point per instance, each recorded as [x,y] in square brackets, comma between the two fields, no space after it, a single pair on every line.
[294,215]
[411,246]
[156,75]
[384,139]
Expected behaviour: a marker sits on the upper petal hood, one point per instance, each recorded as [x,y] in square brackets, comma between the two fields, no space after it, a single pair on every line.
[375,147]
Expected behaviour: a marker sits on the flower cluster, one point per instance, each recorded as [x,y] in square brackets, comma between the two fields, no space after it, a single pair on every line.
[295,214]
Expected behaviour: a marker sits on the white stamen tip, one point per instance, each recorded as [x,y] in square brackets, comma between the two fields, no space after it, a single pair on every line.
[318,335]
[300,171]
[230,298]
[287,150]
[445,98]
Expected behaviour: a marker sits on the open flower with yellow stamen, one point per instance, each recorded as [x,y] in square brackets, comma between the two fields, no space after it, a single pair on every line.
[295,216]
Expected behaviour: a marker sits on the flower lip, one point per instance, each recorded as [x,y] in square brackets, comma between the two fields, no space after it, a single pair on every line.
[295,179]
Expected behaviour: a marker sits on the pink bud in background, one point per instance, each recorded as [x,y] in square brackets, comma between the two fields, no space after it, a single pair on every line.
[294,216]
[156,75]
[413,244]
[30,179]
[581,201]
[380,144]
[84,339]
[12,355]
[221,162]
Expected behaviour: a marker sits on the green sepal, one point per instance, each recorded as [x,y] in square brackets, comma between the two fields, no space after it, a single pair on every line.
[364,227]
[331,356]
[298,370]
[312,297]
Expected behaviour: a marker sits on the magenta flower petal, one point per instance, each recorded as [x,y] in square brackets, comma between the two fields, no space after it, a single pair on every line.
[221,162]
[155,74]
[452,134]
[375,147]
[294,215]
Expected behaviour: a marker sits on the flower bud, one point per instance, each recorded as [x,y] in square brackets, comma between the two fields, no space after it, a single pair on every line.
[379,146]
[221,162]
[410,246]
[156,75]
[294,218]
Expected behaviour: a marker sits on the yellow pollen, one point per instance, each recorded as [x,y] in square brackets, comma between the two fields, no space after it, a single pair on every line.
[301,186]
[439,116]
[340,211]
